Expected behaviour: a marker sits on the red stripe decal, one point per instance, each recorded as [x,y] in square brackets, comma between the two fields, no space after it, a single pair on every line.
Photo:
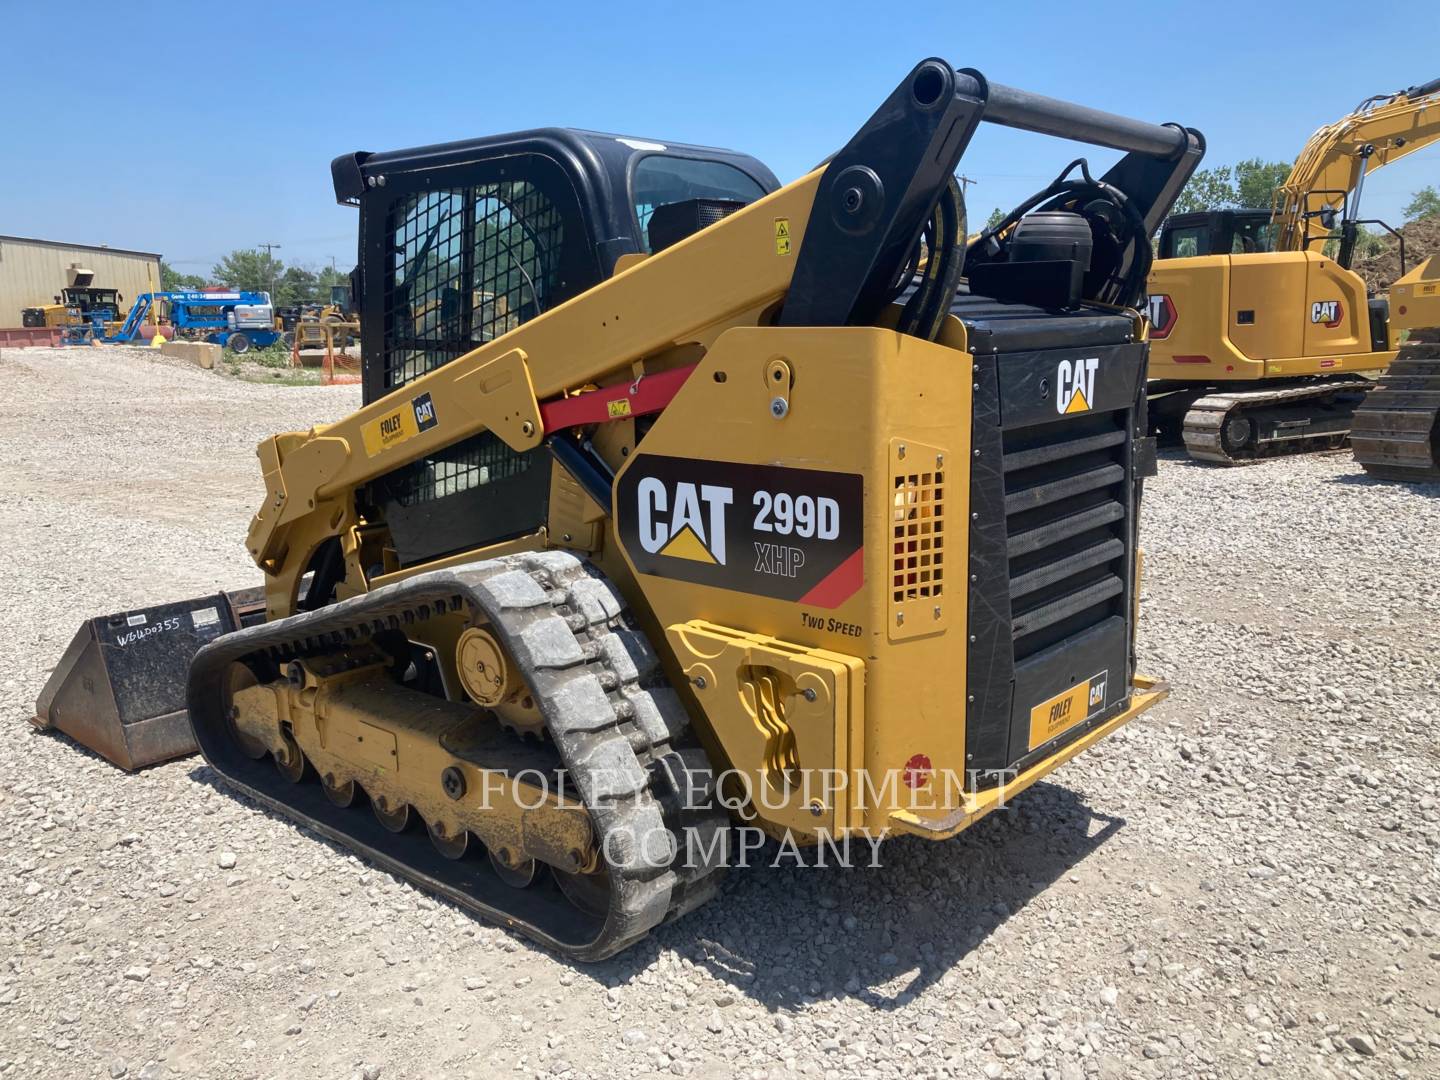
[840,584]
[649,395]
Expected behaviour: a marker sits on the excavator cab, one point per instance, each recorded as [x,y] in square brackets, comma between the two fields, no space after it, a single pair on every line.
[1216,232]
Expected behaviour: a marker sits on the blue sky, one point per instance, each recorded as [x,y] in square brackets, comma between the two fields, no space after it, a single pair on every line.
[215,127]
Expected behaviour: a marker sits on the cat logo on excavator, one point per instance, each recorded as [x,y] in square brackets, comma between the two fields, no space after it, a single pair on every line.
[1327,313]
[1162,316]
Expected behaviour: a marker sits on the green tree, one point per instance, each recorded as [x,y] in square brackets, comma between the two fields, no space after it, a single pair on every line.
[1256,182]
[1426,203]
[327,276]
[248,268]
[1250,183]
[996,216]
[172,280]
[1208,189]
[295,285]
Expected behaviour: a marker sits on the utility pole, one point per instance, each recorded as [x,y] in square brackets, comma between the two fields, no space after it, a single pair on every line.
[270,260]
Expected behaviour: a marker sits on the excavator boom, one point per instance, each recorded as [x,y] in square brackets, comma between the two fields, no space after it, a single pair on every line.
[1329,172]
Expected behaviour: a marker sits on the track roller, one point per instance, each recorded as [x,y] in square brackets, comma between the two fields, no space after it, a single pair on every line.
[452,843]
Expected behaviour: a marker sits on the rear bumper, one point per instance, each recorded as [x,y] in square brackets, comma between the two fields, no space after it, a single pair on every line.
[1145,692]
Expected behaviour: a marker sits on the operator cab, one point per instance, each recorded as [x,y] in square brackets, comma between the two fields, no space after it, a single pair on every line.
[87,299]
[462,242]
[1216,232]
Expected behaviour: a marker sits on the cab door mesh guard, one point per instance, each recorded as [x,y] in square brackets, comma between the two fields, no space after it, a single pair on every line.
[467,265]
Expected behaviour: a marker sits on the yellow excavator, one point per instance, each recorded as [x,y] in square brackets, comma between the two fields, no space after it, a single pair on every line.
[734,506]
[1260,333]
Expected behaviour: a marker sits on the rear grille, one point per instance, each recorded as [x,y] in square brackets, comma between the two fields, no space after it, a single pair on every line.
[919,536]
[917,540]
[1066,534]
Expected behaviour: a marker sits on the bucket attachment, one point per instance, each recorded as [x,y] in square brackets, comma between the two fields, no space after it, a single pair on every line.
[119,689]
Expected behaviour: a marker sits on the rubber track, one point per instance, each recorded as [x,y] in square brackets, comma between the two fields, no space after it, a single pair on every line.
[1207,417]
[1396,435]
[623,744]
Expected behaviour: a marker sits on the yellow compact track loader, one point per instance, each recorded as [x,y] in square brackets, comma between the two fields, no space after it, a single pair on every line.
[1264,341]
[702,498]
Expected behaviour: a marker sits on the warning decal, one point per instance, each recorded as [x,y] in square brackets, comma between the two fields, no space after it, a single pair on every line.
[782,236]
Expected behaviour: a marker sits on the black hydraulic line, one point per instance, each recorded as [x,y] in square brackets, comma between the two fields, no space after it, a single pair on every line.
[924,314]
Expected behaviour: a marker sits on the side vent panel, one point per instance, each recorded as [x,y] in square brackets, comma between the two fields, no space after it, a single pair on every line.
[919,558]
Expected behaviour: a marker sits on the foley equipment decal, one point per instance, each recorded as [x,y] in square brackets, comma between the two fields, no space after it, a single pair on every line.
[399,424]
[791,534]
[1065,710]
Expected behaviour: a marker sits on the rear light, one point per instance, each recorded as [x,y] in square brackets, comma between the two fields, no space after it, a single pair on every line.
[1192,360]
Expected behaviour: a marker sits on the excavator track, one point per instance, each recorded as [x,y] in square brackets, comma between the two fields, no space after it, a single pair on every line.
[1245,425]
[647,790]
[1397,427]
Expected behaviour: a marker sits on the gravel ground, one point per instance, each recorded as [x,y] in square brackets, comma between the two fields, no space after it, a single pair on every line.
[1244,882]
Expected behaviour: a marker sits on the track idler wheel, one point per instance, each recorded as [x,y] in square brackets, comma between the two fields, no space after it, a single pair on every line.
[239,677]
[1237,434]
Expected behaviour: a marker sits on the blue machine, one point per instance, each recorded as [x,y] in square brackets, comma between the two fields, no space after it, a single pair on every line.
[90,327]
[234,319]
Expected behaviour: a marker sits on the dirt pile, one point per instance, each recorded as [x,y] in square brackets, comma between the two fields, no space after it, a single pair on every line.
[1422,239]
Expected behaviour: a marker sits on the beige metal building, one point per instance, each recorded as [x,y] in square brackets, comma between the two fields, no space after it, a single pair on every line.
[32,272]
